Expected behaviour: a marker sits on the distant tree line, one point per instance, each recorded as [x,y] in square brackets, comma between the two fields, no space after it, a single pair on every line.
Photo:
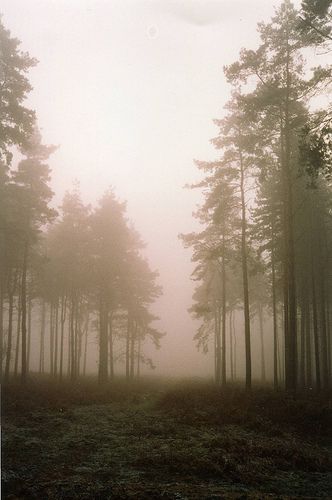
[67,277]
[266,243]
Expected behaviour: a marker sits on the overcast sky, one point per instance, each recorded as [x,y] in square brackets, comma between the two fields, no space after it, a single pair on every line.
[128,90]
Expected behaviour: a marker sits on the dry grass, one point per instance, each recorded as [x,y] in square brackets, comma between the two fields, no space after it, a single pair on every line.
[160,440]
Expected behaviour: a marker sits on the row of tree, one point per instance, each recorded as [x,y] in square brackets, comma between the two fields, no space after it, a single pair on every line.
[66,274]
[266,245]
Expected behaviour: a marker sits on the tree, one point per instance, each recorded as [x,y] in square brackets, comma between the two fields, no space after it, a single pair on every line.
[277,70]
[33,194]
[213,250]
[315,21]
[16,121]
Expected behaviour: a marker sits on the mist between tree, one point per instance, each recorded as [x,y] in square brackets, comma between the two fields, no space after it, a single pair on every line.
[78,295]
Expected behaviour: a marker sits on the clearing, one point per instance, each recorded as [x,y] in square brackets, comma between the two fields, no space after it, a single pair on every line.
[156,440]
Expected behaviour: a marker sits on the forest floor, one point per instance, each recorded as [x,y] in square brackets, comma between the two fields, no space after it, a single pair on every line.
[163,441]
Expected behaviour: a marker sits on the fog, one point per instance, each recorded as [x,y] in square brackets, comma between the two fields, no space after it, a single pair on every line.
[128,91]
[166,248]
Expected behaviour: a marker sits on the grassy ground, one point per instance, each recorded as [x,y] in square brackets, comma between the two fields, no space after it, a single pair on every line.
[153,440]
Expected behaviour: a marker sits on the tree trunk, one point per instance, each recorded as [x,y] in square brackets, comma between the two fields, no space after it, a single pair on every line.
[291,317]
[18,335]
[76,341]
[315,328]
[86,330]
[24,313]
[223,328]
[218,343]
[29,331]
[274,311]
[302,336]
[323,326]
[138,357]
[1,329]
[10,334]
[128,347]
[42,338]
[51,328]
[56,338]
[231,345]
[235,350]
[245,277]
[62,331]
[110,337]
[308,349]
[72,339]
[132,350]
[103,343]
[261,331]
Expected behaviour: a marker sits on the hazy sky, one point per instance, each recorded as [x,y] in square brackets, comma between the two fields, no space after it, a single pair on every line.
[128,89]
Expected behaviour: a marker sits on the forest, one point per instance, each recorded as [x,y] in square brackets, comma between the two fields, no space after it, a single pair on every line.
[84,417]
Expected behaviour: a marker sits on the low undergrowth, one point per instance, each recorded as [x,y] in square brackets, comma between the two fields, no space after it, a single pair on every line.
[156,439]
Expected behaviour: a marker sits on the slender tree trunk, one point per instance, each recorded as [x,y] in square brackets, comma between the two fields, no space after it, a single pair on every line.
[291,340]
[138,357]
[261,331]
[132,350]
[235,350]
[245,277]
[51,328]
[69,339]
[280,352]
[56,338]
[103,343]
[231,345]
[110,337]
[328,332]
[1,327]
[29,331]
[42,338]
[18,335]
[62,331]
[24,313]
[128,347]
[223,328]
[86,330]
[302,333]
[76,341]
[274,311]
[10,334]
[218,343]
[215,346]
[314,300]
[315,328]
[323,326]
[72,340]
[308,344]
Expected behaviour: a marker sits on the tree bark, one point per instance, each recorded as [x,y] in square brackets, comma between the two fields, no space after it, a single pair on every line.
[223,328]
[110,337]
[231,345]
[29,331]
[62,330]
[42,338]
[129,326]
[103,342]
[245,278]
[261,331]
[10,332]
[24,312]
[274,310]
[218,343]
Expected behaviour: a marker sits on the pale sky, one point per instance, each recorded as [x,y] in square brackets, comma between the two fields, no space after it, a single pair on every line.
[128,90]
